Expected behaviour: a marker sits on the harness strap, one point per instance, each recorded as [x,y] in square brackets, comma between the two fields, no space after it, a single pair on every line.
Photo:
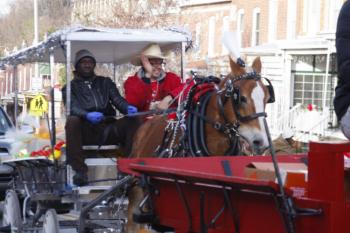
[152,112]
[250,117]
[201,90]
[199,125]
[221,108]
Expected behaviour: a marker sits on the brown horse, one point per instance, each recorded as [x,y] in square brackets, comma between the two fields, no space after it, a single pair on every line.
[233,111]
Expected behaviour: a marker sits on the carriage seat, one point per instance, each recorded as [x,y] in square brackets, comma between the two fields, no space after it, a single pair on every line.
[101,162]
[103,147]
[110,151]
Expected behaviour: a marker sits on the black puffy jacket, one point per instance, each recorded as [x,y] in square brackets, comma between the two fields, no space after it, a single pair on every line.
[97,94]
[342,91]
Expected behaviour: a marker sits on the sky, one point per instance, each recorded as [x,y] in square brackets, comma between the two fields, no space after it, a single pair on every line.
[4,6]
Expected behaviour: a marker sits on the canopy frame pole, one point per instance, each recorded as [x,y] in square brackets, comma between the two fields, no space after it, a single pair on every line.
[16,95]
[52,75]
[183,50]
[68,75]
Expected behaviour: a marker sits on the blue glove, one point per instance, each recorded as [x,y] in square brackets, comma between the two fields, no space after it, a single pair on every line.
[132,110]
[94,117]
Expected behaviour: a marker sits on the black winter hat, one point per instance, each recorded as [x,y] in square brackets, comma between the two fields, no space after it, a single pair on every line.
[82,54]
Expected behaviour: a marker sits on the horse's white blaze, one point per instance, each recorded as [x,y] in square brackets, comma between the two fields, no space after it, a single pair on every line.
[258,95]
[250,134]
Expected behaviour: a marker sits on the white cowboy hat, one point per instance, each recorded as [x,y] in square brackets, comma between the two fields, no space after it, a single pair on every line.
[150,51]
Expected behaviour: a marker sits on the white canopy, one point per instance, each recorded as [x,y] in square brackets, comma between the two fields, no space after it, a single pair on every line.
[108,45]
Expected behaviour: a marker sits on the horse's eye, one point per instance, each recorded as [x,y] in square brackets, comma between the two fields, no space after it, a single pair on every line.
[244,99]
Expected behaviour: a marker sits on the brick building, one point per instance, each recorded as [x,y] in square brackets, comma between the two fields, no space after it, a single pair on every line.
[294,38]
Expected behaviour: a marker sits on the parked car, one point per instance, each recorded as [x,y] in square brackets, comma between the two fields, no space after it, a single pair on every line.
[5,147]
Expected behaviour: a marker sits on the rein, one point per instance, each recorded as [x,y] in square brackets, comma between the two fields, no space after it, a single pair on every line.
[152,112]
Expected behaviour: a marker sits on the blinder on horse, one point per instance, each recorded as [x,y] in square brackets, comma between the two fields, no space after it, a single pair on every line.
[271,92]
[238,99]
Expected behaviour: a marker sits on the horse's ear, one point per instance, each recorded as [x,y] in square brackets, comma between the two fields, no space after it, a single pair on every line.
[257,65]
[235,68]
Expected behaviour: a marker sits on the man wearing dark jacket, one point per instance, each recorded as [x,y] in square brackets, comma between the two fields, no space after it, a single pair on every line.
[342,91]
[92,115]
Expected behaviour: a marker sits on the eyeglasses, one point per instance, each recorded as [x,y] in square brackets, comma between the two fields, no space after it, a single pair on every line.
[156,63]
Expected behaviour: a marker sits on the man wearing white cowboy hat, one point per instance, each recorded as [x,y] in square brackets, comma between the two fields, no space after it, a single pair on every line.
[151,87]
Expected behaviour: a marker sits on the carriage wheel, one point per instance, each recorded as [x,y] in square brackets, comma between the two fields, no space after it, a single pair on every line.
[50,224]
[12,212]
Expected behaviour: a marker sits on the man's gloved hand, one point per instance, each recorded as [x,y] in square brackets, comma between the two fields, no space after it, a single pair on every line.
[132,110]
[94,117]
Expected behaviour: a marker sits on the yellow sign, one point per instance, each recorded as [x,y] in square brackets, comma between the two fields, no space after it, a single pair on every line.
[38,105]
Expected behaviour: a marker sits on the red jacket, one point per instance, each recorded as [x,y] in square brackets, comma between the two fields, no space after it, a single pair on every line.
[138,91]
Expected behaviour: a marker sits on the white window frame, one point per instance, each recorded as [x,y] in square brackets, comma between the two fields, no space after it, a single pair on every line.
[11,81]
[331,12]
[291,19]
[6,82]
[25,77]
[311,17]
[19,73]
[272,24]
[225,28]
[211,36]
[240,27]
[255,30]
[198,40]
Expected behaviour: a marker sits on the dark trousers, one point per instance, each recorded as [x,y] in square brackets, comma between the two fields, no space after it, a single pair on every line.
[80,132]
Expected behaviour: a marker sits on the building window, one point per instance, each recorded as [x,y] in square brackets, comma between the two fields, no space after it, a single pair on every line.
[256,27]
[240,27]
[211,37]
[46,80]
[19,76]
[331,12]
[197,41]
[309,77]
[273,12]
[311,16]
[291,19]
[225,28]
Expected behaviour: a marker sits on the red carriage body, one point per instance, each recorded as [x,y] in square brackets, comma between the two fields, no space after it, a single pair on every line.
[213,194]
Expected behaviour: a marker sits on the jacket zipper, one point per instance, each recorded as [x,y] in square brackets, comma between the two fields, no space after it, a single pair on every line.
[89,85]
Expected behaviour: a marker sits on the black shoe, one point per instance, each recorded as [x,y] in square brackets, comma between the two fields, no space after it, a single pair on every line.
[80,179]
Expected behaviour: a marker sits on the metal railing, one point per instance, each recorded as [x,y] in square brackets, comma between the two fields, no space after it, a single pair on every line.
[286,120]
[306,125]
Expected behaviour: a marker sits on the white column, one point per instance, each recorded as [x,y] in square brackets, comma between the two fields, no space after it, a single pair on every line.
[36,39]
[68,75]
[211,36]
[225,28]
